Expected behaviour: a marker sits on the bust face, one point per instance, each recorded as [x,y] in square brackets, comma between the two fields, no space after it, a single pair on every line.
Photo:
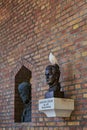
[24,94]
[50,76]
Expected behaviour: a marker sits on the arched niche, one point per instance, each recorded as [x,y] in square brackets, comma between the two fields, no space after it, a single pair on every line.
[23,75]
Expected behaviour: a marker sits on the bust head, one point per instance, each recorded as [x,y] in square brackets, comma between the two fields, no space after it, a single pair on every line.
[52,74]
[25,91]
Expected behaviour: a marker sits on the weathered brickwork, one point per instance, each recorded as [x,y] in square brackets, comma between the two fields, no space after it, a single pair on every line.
[29,31]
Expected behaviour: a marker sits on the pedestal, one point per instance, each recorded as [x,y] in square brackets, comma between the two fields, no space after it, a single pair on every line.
[56,107]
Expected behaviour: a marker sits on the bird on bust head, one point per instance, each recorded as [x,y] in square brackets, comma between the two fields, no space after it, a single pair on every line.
[52,59]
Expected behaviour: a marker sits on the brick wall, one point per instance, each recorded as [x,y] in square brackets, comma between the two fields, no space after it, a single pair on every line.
[29,31]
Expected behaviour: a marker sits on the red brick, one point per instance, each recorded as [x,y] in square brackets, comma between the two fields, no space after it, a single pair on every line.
[29,31]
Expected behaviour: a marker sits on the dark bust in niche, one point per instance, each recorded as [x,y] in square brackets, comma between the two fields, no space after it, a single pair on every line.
[24,89]
[52,74]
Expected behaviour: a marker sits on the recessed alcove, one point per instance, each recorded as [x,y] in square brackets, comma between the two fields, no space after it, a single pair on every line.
[23,75]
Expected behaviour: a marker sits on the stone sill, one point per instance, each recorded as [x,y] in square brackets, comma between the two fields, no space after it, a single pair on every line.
[56,107]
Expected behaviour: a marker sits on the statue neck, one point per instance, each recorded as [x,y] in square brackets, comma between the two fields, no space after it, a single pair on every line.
[54,87]
[27,104]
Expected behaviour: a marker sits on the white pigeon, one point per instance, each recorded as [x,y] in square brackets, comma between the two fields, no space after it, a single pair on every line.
[52,59]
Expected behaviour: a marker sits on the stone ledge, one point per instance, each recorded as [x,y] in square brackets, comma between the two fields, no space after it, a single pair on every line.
[56,107]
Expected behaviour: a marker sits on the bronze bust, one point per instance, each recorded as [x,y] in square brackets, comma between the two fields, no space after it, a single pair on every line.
[52,74]
[25,93]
